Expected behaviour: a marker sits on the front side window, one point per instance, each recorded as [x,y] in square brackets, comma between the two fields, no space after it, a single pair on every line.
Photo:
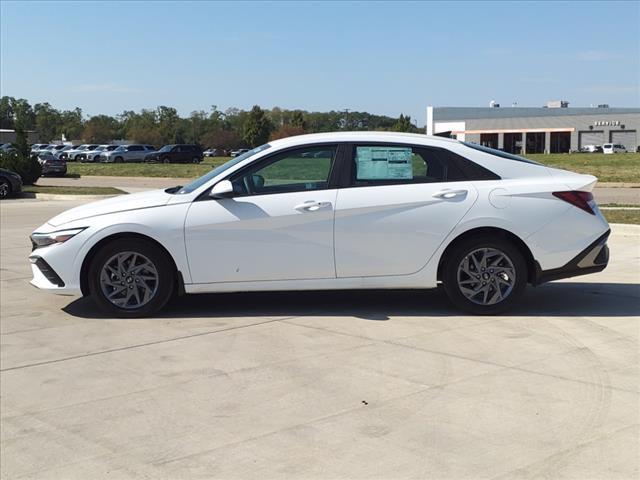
[397,164]
[198,182]
[299,170]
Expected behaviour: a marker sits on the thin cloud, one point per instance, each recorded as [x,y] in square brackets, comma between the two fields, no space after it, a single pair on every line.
[497,51]
[104,88]
[611,89]
[598,55]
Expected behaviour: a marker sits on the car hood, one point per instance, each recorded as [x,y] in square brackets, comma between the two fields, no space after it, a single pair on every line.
[121,203]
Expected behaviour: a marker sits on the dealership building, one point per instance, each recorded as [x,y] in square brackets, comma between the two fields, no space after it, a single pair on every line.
[555,128]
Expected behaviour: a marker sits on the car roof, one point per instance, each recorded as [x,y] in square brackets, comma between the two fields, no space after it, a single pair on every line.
[395,137]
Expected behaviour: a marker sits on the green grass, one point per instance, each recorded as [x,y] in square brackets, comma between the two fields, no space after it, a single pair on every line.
[608,168]
[622,216]
[172,170]
[621,167]
[73,190]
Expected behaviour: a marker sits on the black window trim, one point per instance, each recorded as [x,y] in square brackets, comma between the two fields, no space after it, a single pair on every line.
[471,170]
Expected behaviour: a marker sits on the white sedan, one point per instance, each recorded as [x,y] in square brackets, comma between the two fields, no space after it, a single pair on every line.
[333,211]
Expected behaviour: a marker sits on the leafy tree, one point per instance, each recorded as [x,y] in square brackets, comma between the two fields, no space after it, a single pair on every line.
[297,120]
[403,124]
[20,160]
[6,112]
[168,121]
[222,139]
[71,123]
[100,129]
[287,131]
[257,127]
[47,121]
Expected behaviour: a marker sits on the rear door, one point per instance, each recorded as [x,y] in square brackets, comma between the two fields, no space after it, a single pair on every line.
[400,203]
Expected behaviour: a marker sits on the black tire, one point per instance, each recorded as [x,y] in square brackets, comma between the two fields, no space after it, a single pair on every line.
[5,188]
[462,250]
[166,160]
[195,160]
[118,160]
[164,267]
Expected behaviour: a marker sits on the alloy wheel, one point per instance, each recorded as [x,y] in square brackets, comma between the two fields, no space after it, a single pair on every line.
[486,276]
[4,189]
[129,280]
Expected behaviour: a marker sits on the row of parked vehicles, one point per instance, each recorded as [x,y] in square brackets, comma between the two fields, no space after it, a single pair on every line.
[607,148]
[182,153]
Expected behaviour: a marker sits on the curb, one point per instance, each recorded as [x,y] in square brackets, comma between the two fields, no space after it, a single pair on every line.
[625,229]
[59,196]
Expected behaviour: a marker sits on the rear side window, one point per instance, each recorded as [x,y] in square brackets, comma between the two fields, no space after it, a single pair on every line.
[398,164]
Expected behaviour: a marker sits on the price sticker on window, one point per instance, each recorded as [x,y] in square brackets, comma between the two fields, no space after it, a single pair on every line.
[384,163]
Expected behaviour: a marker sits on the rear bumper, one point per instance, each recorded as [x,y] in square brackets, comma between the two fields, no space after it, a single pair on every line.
[592,259]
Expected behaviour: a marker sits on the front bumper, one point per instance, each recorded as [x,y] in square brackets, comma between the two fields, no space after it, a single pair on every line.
[592,259]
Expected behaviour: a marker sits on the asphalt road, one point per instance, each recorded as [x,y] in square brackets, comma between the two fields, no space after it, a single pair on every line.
[320,385]
[603,194]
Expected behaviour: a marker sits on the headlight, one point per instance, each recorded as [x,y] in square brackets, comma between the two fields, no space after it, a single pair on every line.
[61,236]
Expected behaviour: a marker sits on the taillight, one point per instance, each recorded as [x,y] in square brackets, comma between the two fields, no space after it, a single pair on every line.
[582,200]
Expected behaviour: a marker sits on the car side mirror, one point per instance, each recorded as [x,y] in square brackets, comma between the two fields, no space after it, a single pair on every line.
[223,189]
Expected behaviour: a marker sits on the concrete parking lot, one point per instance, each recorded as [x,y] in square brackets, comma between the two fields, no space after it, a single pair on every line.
[319,384]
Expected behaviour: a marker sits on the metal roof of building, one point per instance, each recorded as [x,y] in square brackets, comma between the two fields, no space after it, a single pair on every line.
[468,113]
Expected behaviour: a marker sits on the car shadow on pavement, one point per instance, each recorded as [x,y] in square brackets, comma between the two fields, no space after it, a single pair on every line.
[564,299]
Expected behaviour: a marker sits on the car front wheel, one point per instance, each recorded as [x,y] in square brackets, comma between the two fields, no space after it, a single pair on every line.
[484,275]
[131,277]
[5,188]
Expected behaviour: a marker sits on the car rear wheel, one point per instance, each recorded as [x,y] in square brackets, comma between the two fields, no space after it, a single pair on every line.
[5,188]
[195,160]
[484,275]
[131,277]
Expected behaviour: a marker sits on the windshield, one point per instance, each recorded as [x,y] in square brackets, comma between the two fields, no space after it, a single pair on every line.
[198,182]
[500,153]
[101,148]
[166,148]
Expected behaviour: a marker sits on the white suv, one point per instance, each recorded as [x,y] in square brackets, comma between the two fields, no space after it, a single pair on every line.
[613,148]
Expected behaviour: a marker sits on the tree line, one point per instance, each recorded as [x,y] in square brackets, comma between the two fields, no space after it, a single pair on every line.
[232,128]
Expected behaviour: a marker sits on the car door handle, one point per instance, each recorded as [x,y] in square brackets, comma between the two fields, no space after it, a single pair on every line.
[311,206]
[449,194]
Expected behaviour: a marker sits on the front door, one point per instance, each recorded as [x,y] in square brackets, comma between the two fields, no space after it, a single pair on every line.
[278,225]
[401,204]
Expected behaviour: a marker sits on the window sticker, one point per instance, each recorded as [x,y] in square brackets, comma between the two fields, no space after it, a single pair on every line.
[383,163]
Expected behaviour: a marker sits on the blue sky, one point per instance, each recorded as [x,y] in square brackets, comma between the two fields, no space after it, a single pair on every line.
[382,57]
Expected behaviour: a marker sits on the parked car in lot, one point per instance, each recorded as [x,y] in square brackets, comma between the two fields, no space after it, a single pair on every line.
[176,154]
[62,152]
[52,165]
[95,155]
[126,153]
[375,210]
[37,146]
[610,148]
[214,152]
[10,183]
[591,149]
[73,155]
[7,148]
[239,151]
